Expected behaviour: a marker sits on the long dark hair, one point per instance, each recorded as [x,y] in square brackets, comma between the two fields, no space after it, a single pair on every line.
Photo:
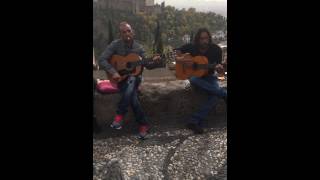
[197,37]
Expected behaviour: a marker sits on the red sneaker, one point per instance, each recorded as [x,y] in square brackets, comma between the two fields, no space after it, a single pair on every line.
[143,131]
[117,122]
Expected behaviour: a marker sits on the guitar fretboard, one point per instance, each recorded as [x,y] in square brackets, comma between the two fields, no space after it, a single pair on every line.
[200,66]
[147,61]
[141,63]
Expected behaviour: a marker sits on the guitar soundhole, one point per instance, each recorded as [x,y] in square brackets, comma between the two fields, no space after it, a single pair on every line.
[195,66]
[129,65]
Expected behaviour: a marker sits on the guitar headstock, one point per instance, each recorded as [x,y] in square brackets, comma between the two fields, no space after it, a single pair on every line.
[169,58]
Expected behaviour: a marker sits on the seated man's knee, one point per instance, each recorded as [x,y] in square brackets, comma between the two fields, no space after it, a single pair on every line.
[192,79]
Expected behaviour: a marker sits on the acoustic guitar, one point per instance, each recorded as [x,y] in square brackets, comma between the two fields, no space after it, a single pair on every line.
[132,64]
[199,67]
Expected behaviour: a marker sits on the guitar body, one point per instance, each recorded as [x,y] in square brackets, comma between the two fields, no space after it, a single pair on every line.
[184,71]
[120,64]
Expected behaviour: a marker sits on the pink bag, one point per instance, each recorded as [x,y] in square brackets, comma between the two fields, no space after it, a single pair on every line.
[107,87]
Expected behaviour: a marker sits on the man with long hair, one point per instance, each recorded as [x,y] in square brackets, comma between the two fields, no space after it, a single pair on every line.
[203,46]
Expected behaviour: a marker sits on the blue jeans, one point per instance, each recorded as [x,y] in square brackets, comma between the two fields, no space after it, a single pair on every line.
[208,84]
[129,96]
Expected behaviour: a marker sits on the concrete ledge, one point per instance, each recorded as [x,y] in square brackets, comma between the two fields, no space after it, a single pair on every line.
[161,101]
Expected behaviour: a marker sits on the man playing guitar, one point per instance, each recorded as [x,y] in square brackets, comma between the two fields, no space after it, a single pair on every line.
[128,87]
[203,47]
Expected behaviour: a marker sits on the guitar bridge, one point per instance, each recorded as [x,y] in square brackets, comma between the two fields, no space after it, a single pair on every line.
[124,72]
[129,65]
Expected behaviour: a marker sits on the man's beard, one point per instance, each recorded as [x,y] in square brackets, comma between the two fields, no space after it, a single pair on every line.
[204,46]
[128,39]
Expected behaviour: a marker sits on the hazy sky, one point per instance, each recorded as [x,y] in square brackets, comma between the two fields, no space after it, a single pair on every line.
[217,6]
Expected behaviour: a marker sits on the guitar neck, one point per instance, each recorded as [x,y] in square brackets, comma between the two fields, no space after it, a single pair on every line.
[145,61]
[142,62]
[205,66]
[202,66]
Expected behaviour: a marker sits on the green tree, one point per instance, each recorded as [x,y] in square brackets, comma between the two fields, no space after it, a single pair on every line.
[171,25]
[191,36]
[158,45]
[110,38]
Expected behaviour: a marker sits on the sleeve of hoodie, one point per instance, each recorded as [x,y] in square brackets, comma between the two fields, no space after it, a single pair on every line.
[219,55]
[106,55]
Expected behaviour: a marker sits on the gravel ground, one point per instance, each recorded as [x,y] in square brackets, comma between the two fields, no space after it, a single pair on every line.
[175,154]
